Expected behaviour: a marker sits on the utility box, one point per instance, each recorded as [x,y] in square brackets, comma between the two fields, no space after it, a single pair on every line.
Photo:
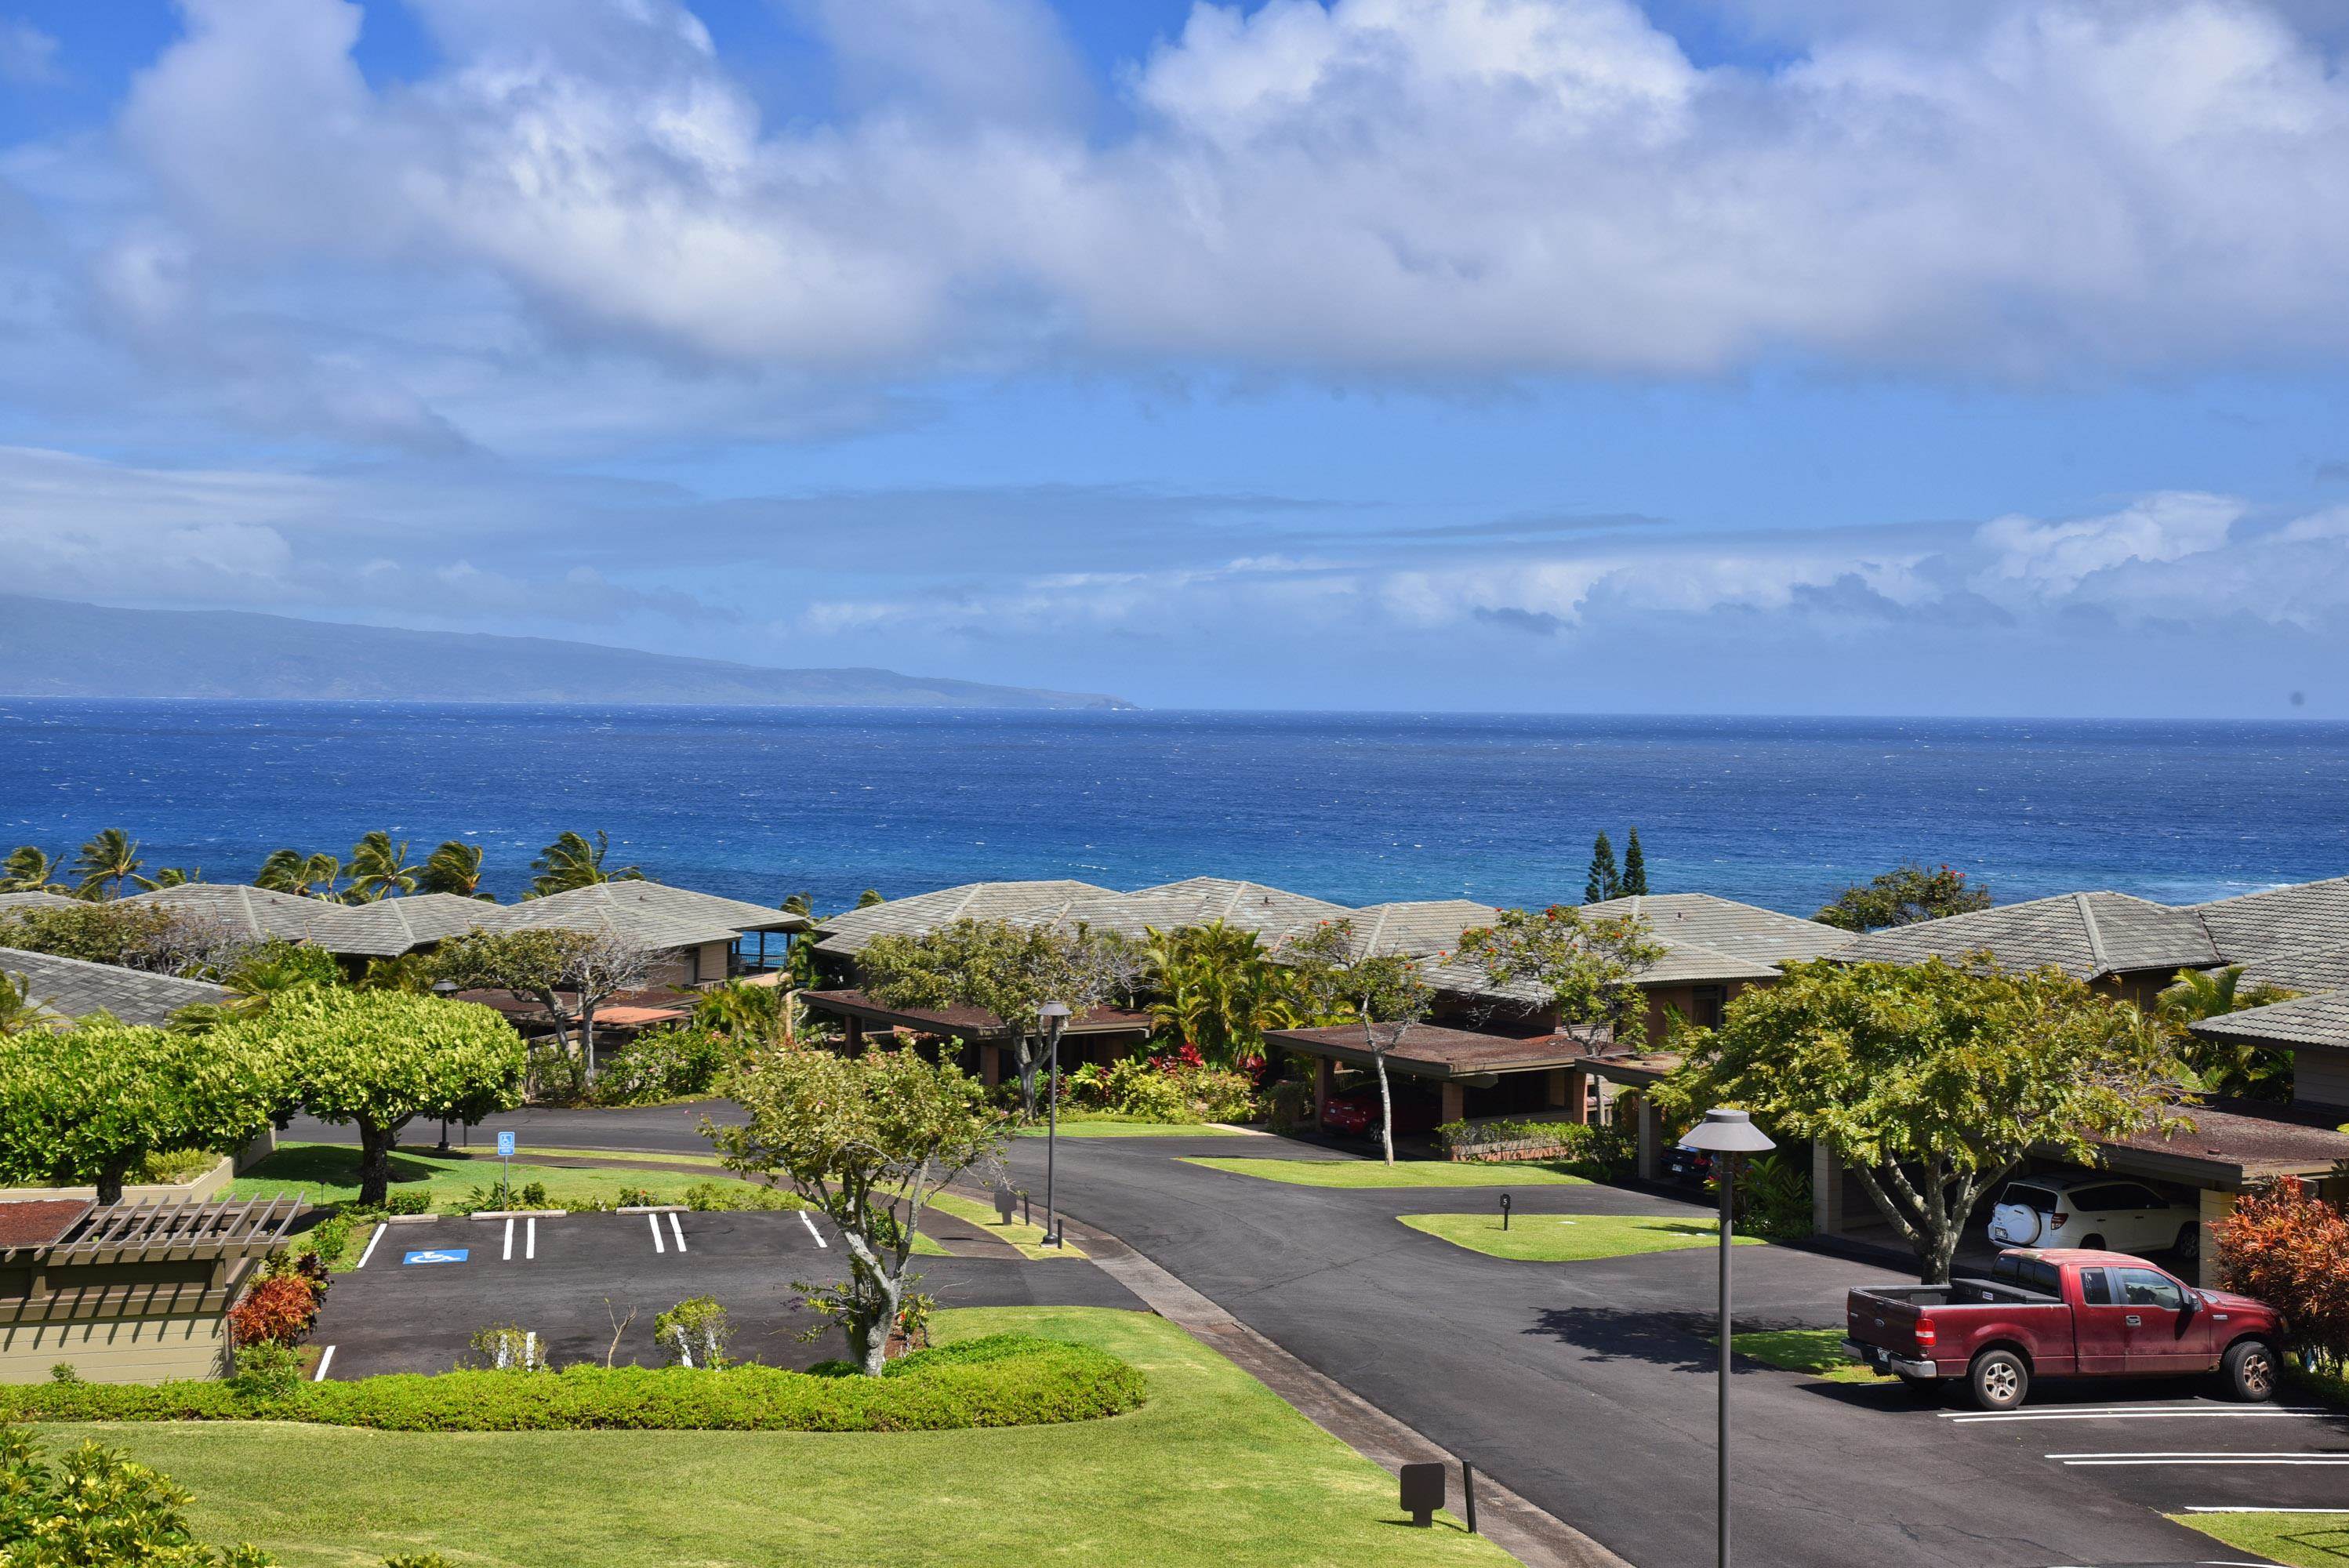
[1423,1493]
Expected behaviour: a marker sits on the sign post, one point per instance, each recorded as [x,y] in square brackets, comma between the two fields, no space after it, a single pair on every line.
[505,1156]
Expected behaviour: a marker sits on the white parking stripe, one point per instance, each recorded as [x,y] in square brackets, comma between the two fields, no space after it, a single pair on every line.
[2202,1407]
[324,1362]
[2202,1457]
[530,1239]
[2263,1413]
[380,1230]
[677,1230]
[509,1251]
[654,1220]
[2223,1507]
[812,1230]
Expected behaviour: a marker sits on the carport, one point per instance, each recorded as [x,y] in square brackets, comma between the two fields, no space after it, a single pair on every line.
[1478,1073]
[1102,1035]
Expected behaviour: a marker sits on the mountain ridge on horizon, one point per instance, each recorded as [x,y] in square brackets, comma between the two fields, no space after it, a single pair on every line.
[62,648]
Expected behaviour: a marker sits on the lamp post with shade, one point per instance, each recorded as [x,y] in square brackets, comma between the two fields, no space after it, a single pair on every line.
[1725,1134]
[1056,1017]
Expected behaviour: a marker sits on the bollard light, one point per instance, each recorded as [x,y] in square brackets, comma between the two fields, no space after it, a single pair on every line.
[1725,1134]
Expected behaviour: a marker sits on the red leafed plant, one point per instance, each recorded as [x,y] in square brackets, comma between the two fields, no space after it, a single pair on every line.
[280,1308]
[2291,1250]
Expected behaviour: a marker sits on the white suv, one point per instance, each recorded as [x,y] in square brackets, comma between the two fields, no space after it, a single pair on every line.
[2093,1212]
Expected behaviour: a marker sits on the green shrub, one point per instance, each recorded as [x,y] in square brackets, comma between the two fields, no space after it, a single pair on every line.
[175,1165]
[94,1506]
[663,1065]
[635,1198]
[63,1372]
[1289,1103]
[508,1347]
[413,1202]
[330,1238]
[1773,1197]
[1165,1089]
[1591,1150]
[266,1370]
[694,1332]
[1004,1380]
[725,1197]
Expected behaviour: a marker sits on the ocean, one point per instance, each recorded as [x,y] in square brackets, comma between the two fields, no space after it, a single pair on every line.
[1357,808]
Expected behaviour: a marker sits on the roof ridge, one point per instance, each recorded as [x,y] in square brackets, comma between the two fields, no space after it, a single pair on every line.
[2095,936]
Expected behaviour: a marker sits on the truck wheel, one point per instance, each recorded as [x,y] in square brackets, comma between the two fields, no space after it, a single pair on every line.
[1998,1379]
[2249,1371]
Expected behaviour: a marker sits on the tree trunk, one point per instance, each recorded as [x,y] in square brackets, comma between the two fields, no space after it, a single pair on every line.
[1386,1107]
[587,1035]
[868,1341]
[374,1164]
[1922,1224]
[109,1184]
[1025,1061]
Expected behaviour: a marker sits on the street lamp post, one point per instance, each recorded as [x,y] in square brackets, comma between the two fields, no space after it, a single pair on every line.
[1725,1134]
[1056,1017]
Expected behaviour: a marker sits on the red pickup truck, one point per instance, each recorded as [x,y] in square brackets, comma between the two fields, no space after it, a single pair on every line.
[2063,1313]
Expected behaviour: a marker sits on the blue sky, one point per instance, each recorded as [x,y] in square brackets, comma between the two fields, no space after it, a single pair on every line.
[1775,356]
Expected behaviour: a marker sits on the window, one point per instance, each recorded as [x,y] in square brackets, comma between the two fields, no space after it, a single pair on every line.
[2026,1196]
[2096,1287]
[2142,1198]
[2143,1287]
[1705,1002]
[2102,1199]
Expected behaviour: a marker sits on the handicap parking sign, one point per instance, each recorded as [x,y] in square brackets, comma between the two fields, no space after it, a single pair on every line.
[505,1145]
[438,1255]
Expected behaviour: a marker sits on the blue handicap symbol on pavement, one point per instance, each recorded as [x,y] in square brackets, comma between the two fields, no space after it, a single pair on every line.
[505,1145]
[438,1255]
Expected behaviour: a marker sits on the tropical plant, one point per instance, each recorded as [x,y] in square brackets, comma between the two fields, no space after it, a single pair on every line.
[571,863]
[91,1103]
[870,897]
[379,1059]
[746,1014]
[105,864]
[380,868]
[1930,1081]
[2224,1067]
[1906,894]
[28,869]
[799,904]
[94,1506]
[304,876]
[1215,988]
[273,969]
[2291,1249]
[1603,881]
[867,1140]
[20,1009]
[407,971]
[1590,968]
[571,974]
[454,868]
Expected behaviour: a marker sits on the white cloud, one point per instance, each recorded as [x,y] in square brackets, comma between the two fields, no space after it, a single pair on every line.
[1456,187]
[28,57]
[2053,558]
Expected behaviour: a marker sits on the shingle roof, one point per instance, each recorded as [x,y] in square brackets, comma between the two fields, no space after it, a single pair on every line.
[1250,905]
[251,913]
[391,926]
[911,916]
[2085,934]
[2319,1020]
[2304,969]
[1725,925]
[9,901]
[72,987]
[644,912]
[2256,925]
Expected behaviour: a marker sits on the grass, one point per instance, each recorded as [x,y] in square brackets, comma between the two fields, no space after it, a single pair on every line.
[1214,1473]
[1818,1351]
[329,1173]
[1028,1239]
[1402,1173]
[2300,1539]
[633,1156]
[1104,1126]
[1571,1238]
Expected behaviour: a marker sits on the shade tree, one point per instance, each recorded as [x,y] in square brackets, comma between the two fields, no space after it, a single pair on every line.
[1908,893]
[1588,968]
[570,974]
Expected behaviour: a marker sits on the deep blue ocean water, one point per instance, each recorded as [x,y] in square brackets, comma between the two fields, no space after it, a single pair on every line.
[1351,807]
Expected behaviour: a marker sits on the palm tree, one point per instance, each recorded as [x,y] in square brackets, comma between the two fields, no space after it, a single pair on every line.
[18,1010]
[273,970]
[171,876]
[571,862]
[2240,1071]
[454,868]
[799,904]
[105,864]
[28,869]
[304,876]
[1217,991]
[380,868]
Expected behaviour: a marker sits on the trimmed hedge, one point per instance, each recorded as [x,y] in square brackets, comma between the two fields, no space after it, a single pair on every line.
[1002,1380]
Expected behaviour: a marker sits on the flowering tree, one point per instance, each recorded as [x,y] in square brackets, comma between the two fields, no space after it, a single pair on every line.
[868,1140]
[1589,967]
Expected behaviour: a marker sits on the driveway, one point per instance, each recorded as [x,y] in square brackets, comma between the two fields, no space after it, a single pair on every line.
[1588,1387]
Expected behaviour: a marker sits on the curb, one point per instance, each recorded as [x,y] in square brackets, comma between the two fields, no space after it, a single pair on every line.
[523,1214]
[1531,1534]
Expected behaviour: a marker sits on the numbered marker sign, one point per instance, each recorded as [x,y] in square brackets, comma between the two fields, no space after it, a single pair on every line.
[505,1145]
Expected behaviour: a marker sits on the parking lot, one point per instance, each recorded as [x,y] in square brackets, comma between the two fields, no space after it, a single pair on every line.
[423,1289]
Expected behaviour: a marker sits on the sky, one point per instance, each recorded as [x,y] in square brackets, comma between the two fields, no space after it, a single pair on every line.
[1962,356]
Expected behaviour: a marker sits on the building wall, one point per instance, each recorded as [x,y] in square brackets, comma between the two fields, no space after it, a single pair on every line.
[2320,1077]
[116,1350]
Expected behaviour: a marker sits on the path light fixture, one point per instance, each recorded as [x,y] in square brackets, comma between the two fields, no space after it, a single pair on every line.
[1056,1018]
[1725,1134]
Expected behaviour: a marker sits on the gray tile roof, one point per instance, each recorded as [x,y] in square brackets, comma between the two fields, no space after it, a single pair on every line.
[2319,1020]
[643,912]
[1725,925]
[70,987]
[2085,934]
[9,901]
[910,916]
[2256,925]
[2304,970]
[252,914]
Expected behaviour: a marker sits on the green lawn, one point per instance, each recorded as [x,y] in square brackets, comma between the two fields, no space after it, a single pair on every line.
[1571,1238]
[329,1173]
[1214,1473]
[1028,1239]
[1818,1351]
[1117,1126]
[1402,1173]
[2300,1540]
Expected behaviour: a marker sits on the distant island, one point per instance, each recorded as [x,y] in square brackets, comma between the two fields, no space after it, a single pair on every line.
[50,648]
